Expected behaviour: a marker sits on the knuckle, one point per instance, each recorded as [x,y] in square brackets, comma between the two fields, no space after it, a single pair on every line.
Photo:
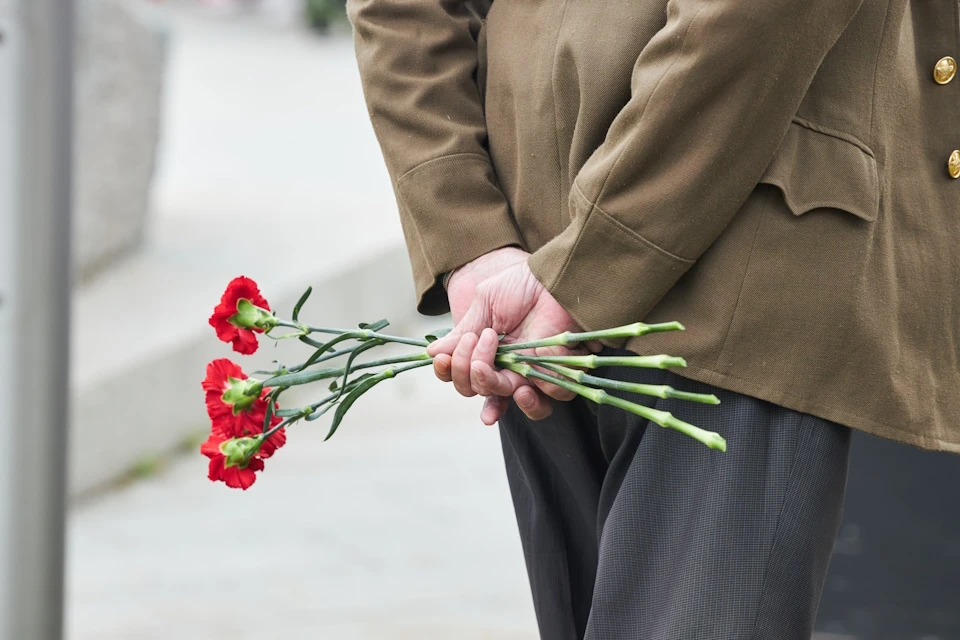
[478,387]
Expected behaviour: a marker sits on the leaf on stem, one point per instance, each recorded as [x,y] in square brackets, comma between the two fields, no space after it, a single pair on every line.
[346,368]
[271,406]
[316,414]
[352,397]
[375,326]
[302,377]
[299,305]
[322,349]
[310,341]
[433,336]
[335,385]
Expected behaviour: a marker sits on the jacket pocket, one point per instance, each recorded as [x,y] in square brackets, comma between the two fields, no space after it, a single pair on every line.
[816,169]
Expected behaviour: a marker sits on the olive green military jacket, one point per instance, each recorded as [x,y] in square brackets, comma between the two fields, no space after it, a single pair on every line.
[778,175]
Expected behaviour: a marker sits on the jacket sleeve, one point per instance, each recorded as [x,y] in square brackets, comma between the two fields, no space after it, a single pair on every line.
[713,94]
[418,60]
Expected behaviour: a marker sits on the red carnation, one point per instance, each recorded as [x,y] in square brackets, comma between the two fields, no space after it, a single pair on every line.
[228,465]
[238,322]
[237,405]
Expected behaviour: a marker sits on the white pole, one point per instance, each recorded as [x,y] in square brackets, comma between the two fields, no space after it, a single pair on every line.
[35,128]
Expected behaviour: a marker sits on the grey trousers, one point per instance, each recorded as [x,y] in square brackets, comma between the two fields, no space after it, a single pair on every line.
[635,532]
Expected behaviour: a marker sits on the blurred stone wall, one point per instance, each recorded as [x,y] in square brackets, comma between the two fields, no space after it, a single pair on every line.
[119,78]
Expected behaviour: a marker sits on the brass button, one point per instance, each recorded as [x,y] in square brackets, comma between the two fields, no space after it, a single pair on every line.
[945,70]
[953,165]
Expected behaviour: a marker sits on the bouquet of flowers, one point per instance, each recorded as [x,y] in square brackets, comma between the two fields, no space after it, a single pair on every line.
[248,425]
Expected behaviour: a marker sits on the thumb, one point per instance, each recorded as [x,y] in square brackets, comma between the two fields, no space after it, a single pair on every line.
[474,321]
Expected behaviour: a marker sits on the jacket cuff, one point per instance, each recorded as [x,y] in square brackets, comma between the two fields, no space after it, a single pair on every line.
[604,274]
[452,212]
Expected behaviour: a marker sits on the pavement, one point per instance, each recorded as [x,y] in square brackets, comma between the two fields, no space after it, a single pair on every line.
[401,525]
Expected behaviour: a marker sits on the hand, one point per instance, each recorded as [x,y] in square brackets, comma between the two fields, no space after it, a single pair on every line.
[462,286]
[497,293]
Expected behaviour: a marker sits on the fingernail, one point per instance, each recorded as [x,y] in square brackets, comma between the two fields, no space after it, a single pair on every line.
[525,401]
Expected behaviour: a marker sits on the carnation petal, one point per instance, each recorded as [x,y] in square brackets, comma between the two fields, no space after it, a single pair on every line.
[239,287]
[215,469]
[274,442]
[245,342]
[219,372]
[217,409]
[221,324]
[211,447]
[237,478]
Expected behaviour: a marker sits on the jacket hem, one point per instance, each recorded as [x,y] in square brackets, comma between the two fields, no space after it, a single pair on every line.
[788,400]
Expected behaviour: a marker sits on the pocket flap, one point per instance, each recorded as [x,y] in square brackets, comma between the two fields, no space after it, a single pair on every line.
[815,169]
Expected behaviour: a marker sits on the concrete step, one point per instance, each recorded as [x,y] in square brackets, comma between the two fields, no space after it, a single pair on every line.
[268,167]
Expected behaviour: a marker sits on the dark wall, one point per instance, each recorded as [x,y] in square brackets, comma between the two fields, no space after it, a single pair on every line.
[895,571]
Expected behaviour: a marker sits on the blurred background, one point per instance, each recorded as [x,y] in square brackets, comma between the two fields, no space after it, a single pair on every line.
[214,138]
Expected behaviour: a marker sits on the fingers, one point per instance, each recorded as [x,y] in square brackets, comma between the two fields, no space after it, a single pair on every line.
[446,344]
[441,367]
[487,381]
[471,367]
[487,346]
[594,346]
[460,367]
[493,408]
[484,379]
[475,321]
[553,391]
[535,405]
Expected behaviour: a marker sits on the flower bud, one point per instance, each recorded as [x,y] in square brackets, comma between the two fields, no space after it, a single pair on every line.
[250,316]
[238,451]
[241,394]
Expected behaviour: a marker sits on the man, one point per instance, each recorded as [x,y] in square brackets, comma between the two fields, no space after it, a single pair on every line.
[778,175]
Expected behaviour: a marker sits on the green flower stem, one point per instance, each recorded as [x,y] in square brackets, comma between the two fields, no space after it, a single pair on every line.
[568,338]
[330,356]
[594,361]
[390,372]
[263,437]
[303,412]
[365,334]
[301,327]
[599,396]
[306,377]
[356,334]
[656,390]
